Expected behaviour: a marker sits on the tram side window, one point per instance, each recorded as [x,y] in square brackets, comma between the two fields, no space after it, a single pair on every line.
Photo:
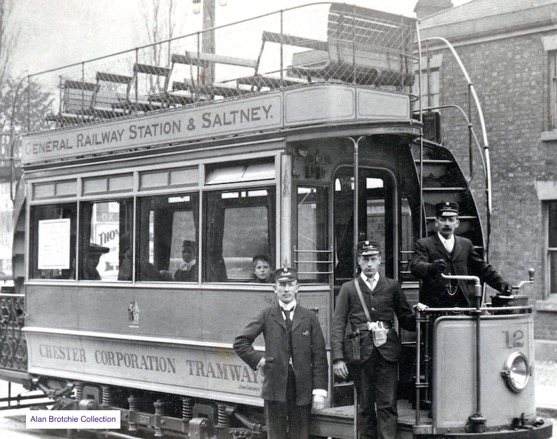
[168,234]
[53,241]
[239,224]
[407,239]
[312,253]
[105,231]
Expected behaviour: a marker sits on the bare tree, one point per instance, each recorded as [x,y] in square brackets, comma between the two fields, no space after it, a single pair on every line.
[9,33]
[160,21]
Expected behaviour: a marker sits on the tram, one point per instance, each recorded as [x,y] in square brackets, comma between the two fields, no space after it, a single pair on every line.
[310,137]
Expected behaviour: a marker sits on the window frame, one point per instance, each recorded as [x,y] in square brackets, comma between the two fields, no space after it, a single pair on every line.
[271,189]
[548,251]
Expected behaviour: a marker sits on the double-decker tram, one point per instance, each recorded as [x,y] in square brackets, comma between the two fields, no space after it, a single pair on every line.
[151,188]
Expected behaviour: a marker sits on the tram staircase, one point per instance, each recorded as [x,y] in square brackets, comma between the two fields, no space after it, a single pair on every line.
[443,180]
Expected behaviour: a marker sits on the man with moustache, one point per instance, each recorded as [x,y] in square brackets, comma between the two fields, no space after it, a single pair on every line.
[444,252]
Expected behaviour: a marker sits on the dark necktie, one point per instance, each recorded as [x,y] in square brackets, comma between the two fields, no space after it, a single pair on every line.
[287,318]
[288,322]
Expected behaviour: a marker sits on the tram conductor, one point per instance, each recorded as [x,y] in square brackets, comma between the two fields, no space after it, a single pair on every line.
[375,375]
[294,365]
[444,252]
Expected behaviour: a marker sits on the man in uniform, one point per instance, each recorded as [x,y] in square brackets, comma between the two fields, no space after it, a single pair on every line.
[446,253]
[376,375]
[294,365]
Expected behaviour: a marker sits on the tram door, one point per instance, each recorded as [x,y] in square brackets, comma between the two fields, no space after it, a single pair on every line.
[376,219]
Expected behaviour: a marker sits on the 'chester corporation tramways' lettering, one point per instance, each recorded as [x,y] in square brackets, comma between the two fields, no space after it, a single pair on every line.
[163,364]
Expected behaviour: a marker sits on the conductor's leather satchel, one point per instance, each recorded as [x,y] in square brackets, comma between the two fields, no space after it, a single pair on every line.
[351,348]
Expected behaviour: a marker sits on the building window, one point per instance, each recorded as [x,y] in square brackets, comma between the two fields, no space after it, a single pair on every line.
[552,246]
[553,89]
[430,84]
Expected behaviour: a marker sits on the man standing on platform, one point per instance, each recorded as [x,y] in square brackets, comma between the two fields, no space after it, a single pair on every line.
[446,253]
[294,365]
[376,374]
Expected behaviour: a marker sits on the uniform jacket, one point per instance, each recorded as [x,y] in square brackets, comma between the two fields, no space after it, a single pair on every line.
[464,259]
[386,300]
[309,356]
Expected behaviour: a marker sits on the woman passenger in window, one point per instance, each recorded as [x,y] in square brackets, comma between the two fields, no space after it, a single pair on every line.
[188,269]
[262,269]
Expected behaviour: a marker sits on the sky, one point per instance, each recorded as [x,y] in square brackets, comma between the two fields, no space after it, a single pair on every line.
[60,32]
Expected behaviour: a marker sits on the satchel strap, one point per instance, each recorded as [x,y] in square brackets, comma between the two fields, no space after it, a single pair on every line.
[360,295]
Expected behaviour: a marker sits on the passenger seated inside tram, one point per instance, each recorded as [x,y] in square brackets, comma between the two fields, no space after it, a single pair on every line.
[188,269]
[93,255]
[262,273]
[147,271]
[125,265]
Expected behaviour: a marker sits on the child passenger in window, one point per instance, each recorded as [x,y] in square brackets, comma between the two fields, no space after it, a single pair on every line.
[262,269]
[188,269]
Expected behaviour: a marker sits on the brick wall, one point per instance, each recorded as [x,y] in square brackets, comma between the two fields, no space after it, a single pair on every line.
[510,78]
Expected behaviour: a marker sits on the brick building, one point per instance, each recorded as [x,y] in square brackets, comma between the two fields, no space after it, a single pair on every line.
[509,48]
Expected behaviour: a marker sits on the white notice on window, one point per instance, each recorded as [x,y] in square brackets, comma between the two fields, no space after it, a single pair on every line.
[54,244]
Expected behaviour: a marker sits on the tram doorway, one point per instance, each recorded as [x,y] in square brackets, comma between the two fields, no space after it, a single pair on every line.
[376,219]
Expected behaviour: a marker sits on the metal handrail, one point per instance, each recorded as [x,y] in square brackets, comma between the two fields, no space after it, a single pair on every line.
[487,164]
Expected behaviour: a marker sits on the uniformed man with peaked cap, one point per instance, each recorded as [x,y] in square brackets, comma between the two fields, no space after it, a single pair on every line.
[444,252]
[376,374]
[294,365]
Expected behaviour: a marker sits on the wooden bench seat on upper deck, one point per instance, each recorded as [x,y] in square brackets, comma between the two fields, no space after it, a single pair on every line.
[259,81]
[111,89]
[360,48]
[76,103]
[147,88]
[200,63]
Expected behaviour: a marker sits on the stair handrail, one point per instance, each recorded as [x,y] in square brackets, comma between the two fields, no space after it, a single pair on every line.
[487,163]
[472,132]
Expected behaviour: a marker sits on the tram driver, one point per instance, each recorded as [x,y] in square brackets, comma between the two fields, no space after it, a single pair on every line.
[446,253]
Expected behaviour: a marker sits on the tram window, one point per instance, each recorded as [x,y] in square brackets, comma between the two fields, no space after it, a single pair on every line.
[105,230]
[53,241]
[312,251]
[375,218]
[238,225]
[168,224]
[407,239]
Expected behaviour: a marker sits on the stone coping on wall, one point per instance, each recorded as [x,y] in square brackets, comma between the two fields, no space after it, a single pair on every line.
[549,136]
[548,305]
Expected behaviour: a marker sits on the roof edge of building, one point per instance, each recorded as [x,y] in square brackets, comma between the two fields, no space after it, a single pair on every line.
[533,18]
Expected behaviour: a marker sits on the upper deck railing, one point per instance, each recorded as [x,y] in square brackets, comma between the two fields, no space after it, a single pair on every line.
[321,42]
